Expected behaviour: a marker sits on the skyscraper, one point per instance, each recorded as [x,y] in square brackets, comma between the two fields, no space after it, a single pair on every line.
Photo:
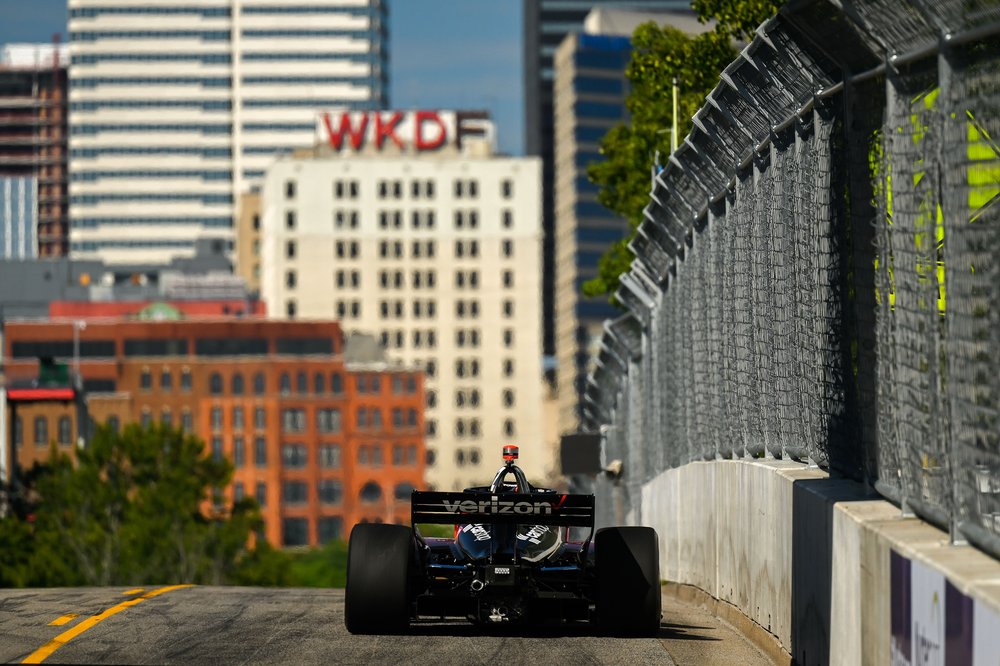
[177,107]
[33,211]
[546,23]
[589,99]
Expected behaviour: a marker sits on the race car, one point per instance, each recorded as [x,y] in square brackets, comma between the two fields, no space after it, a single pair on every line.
[514,559]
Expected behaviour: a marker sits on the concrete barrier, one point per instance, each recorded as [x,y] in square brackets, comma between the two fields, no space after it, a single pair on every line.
[808,559]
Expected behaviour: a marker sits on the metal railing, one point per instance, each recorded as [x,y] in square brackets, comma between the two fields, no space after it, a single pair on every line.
[818,273]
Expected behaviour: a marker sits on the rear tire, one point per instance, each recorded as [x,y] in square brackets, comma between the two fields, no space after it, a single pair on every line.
[628,581]
[376,600]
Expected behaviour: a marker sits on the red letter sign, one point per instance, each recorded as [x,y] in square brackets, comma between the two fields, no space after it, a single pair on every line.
[385,129]
[357,135]
[419,142]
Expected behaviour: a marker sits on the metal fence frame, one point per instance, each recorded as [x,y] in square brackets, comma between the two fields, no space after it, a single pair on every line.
[818,273]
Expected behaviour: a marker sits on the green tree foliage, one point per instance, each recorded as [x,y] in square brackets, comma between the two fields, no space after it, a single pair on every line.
[659,54]
[736,18]
[133,508]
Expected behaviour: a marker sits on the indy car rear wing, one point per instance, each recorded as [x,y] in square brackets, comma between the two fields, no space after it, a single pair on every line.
[502,508]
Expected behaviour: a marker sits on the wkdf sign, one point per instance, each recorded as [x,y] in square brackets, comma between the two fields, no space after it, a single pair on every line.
[934,624]
[416,131]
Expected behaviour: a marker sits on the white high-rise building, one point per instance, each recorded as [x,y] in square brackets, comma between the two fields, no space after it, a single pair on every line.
[177,106]
[435,249]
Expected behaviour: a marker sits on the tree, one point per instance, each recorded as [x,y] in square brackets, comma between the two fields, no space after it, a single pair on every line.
[659,54]
[138,507]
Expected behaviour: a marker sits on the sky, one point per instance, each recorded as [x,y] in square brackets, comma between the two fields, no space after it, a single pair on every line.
[442,54]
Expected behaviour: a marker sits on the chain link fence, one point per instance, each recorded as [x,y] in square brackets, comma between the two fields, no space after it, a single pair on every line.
[818,274]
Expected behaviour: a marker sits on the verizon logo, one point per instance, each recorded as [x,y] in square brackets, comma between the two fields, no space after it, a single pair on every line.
[496,505]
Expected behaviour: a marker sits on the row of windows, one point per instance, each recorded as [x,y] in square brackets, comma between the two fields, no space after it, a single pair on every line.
[285,102]
[393,189]
[206,199]
[237,384]
[336,56]
[96,246]
[92,222]
[95,35]
[40,431]
[308,80]
[94,12]
[203,58]
[203,81]
[394,249]
[204,105]
[209,12]
[293,420]
[204,174]
[207,152]
[303,32]
[145,128]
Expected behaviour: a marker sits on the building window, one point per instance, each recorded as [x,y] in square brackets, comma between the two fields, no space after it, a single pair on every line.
[293,420]
[507,219]
[508,308]
[507,248]
[239,452]
[217,449]
[166,380]
[260,452]
[329,456]
[508,398]
[215,417]
[256,222]
[146,420]
[336,383]
[508,367]
[371,492]
[238,418]
[285,384]
[328,420]
[238,491]
[290,219]
[319,384]
[290,309]
[259,418]
[330,491]
[302,383]
[185,380]
[294,531]
[290,250]
[290,279]
[508,279]
[289,189]
[261,494]
[330,528]
[508,428]
[167,417]
[187,421]
[259,384]
[507,189]
[146,379]
[237,384]
[215,384]
[293,456]
[65,434]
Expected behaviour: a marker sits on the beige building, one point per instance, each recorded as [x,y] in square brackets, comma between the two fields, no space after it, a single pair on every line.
[248,240]
[437,251]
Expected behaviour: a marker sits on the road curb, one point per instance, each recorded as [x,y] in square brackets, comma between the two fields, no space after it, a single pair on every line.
[760,637]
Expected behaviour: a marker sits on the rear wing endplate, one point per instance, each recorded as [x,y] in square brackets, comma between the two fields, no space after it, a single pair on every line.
[516,508]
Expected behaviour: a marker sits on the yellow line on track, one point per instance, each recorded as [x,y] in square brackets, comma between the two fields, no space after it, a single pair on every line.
[60,621]
[44,652]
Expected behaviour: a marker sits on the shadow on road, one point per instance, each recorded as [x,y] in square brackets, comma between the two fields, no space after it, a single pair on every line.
[668,630]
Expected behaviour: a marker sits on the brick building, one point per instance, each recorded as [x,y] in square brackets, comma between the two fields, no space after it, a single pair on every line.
[322,436]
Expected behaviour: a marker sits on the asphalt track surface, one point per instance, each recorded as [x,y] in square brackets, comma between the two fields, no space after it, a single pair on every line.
[240,625]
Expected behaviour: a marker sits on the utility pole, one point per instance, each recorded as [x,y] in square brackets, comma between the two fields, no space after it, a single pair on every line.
[673,130]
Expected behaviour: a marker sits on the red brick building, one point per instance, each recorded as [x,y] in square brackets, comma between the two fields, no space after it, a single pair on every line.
[322,442]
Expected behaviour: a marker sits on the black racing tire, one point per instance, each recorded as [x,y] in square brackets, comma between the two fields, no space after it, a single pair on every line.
[628,581]
[376,600]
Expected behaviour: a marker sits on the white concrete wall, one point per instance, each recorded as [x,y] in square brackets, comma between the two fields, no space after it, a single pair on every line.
[805,556]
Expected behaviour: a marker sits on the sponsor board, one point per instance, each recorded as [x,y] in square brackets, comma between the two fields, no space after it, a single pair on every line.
[934,624]
[417,131]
